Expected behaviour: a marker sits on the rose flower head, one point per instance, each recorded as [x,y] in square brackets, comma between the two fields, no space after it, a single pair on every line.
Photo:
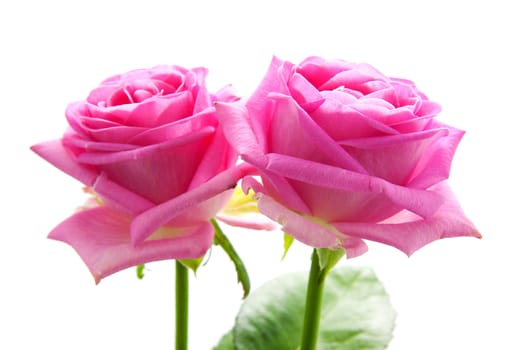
[148,145]
[347,154]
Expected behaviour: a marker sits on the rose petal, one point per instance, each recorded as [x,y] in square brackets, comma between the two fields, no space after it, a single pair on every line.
[161,110]
[73,139]
[219,156]
[275,80]
[421,202]
[252,222]
[408,232]
[287,111]
[55,153]
[99,158]
[341,120]
[304,230]
[101,237]
[394,157]
[434,165]
[147,222]
[233,118]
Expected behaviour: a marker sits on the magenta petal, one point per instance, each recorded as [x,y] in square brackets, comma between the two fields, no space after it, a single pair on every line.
[408,232]
[233,118]
[161,110]
[175,129]
[55,153]
[287,108]
[73,139]
[434,165]
[219,156]
[393,157]
[150,220]
[99,158]
[423,203]
[304,230]
[252,222]
[275,80]
[101,238]
[120,197]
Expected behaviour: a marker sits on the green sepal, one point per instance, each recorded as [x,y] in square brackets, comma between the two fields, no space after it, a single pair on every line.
[288,240]
[328,258]
[192,264]
[140,271]
[221,240]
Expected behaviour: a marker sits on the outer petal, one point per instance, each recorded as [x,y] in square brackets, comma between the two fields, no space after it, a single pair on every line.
[62,158]
[434,165]
[275,80]
[394,157]
[252,222]
[233,118]
[150,220]
[155,172]
[55,153]
[304,230]
[423,203]
[408,232]
[101,238]
[319,140]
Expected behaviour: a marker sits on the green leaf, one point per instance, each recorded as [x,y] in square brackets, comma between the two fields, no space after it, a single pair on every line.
[226,342]
[192,264]
[356,313]
[223,241]
[140,271]
[288,240]
[328,258]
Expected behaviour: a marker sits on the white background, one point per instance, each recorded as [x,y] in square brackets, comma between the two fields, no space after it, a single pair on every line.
[455,294]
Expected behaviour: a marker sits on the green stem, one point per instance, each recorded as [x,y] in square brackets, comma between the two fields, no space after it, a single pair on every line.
[314,296]
[181,306]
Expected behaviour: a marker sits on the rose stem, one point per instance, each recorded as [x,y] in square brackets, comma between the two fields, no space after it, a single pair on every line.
[314,296]
[181,306]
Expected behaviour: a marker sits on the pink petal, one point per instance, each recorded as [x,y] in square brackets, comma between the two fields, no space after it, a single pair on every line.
[393,157]
[73,139]
[287,109]
[408,232]
[226,94]
[252,222]
[342,121]
[101,237]
[302,91]
[275,81]
[434,165]
[304,230]
[147,222]
[219,156]
[55,153]
[161,110]
[175,129]
[423,203]
[99,158]
[233,118]
[119,197]
[143,169]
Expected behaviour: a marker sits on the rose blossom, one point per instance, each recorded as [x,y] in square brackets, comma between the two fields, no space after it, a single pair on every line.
[345,154]
[148,145]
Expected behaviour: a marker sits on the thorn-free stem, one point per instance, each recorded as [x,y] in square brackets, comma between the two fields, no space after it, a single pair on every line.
[181,306]
[314,296]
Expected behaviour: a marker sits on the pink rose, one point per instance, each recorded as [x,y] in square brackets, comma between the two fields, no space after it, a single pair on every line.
[148,144]
[345,154]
